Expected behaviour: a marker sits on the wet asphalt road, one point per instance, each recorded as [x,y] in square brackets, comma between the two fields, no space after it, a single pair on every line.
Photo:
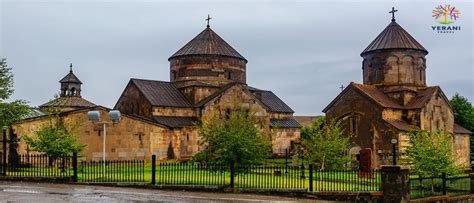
[48,193]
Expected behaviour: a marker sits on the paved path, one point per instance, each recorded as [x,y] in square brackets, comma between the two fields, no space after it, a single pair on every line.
[43,192]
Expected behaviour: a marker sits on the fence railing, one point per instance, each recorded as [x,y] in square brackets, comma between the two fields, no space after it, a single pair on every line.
[112,171]
[38,165]
[192,173]
[421,187]
[347,180]
[265,177]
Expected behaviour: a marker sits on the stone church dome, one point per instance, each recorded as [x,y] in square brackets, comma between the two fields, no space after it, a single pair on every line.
[207,43]
[208,60]
[394,37]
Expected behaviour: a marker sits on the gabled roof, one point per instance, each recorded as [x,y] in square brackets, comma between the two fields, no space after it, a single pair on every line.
[460,130]
[422,98]
[160,93]
[284,123]
[215,94]
[175,121]
[70,78]
[207,43]
[394,37]
[273,102]
[68,102]
[399,124]
[370,92]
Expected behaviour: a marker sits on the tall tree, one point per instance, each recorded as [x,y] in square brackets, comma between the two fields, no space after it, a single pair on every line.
[236,138]
[430,154]
[464,115]
[325,145]
[10,111]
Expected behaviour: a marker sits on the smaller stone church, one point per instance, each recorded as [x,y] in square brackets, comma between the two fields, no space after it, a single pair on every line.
[207,78]
[394,99]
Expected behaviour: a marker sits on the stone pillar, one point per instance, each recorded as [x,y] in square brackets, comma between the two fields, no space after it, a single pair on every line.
[395,184]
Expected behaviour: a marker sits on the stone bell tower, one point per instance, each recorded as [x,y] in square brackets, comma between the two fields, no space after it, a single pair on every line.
[395,62]
[205,64]
[70,85]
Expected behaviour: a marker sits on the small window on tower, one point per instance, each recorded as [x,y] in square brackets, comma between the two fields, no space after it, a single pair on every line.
[421,74]
[228,75]
[174,75]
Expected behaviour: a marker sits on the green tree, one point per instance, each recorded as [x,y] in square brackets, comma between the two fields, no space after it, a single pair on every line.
[55,138]
[325,145]
[10,111]
[235,139]
[464,115]
[308,131]
[430,154]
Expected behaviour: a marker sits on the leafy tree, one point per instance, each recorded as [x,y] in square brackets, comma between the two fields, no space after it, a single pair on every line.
[464,115]
[10,111]
[235,139]
[55,139]
[325,145]
[308,131]
[430,154]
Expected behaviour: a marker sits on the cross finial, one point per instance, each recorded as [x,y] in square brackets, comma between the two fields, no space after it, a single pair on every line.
[393,13]
[341,87]
[70,67]
[208,19]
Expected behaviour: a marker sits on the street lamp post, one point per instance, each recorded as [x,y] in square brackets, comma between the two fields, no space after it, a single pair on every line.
[394,151]
[94,117]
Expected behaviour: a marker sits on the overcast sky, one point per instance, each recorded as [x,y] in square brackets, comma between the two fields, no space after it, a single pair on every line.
[302,51]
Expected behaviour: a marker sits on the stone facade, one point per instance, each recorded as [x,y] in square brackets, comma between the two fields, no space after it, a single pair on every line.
[394,99]
[208,77]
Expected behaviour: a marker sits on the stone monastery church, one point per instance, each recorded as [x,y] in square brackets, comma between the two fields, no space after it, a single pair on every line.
[207,77]
[394,99]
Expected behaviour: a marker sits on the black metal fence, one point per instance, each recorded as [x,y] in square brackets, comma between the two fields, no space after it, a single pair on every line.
[347,180]
[112,171]
[38,165]
[421,187]
[191,173]
[265,177]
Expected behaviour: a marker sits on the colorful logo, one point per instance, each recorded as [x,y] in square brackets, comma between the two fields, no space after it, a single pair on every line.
[446,14]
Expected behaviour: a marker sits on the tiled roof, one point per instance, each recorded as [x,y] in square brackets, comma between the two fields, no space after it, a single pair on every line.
[207,43]
[422,98]
[270,100]
[369,91]
[70,77]
[460,130]
[160,93]
[175,121]
[285,123]
[377,95]
[394,37]
[68,102]
[400,124]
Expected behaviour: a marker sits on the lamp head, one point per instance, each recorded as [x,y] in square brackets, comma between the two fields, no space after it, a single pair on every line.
[115,116]
[93,116]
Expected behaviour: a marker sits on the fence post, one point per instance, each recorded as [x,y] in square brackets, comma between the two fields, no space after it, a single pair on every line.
[4,153]
[395,184]
[444,183]
[232,174]
[74,166]
[153,169]
[302,170]
[471,175]
[311,177]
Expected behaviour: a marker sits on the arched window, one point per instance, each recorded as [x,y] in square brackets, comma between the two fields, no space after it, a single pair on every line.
[228,75]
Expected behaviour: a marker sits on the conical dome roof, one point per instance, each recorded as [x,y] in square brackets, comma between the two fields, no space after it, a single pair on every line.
[394,37]
[207,43]
[70,78]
